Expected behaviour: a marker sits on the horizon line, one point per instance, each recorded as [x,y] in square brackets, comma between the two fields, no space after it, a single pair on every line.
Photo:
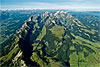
[72,9]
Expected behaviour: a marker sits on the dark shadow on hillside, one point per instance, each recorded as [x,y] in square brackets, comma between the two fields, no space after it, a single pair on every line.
[26,47]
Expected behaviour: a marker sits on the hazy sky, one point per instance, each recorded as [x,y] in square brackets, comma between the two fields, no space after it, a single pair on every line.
[50,4]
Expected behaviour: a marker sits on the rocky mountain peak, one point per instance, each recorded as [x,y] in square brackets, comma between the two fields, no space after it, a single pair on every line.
[60,12]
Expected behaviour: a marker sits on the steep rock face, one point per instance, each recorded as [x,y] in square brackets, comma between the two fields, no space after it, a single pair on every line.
[53,40]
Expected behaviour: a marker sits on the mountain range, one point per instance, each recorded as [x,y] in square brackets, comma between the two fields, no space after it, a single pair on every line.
[52,39]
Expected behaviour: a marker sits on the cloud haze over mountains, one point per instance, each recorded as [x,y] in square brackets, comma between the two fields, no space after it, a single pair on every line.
[51,4]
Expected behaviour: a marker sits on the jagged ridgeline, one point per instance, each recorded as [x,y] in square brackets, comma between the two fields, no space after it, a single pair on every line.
[52,40]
